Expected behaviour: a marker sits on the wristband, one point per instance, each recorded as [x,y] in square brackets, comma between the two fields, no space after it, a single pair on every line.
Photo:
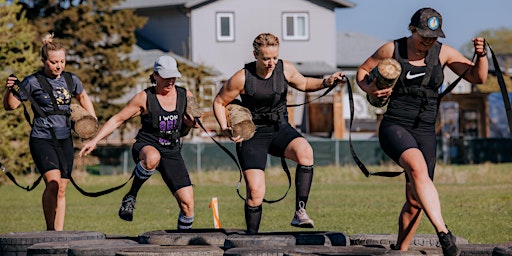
[324,84]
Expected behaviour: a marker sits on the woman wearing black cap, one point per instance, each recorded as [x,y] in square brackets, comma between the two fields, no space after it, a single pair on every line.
[407,131]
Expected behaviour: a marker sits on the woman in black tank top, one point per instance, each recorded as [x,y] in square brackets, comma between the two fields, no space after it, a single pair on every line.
[407,131]
[262,85]
[161,108]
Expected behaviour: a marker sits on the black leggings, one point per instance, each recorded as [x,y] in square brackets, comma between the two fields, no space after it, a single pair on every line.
[395,139]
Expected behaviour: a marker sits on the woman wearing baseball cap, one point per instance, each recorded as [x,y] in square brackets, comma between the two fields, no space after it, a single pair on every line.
[157,144]
[407,131]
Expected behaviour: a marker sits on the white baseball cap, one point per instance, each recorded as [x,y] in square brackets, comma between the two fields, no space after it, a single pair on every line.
[166,67]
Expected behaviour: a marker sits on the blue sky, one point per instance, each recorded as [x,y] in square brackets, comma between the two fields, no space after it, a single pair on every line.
[389,19]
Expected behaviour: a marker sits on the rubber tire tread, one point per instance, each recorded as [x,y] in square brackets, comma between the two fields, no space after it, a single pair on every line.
[178,250]
[15,244]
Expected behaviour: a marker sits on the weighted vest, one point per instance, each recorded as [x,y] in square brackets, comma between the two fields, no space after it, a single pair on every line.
[153,108]
[41,78]
[277,113]
[431,61]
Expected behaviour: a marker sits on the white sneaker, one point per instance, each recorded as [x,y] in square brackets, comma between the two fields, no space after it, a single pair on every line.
[301,218]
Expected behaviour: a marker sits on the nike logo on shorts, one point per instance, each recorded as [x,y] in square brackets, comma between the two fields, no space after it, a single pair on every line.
[411,76]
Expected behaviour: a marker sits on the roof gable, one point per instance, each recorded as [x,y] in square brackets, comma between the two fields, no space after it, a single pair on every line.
[353,48]
[191,4]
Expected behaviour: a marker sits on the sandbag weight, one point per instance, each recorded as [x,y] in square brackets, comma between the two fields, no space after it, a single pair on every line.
[240,120]
[386,73]
[82,122]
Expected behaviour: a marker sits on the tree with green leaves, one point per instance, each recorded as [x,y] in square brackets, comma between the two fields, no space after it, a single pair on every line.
[501,42]
[98,39]
[17,56]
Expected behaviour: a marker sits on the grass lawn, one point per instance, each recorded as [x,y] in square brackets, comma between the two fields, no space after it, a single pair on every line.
[476,202]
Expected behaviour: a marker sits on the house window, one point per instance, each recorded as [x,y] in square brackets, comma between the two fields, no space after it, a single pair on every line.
[470,123]
[225,26]
[296,26]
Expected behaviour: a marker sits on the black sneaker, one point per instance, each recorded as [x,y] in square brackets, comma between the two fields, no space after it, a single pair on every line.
[447,241]
[127,207]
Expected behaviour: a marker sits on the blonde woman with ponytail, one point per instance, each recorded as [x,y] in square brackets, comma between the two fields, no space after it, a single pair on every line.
[44,143]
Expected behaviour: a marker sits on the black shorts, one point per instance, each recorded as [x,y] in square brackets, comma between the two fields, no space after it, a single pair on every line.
[252,154]
[171,166]
[395,139]
[46,158]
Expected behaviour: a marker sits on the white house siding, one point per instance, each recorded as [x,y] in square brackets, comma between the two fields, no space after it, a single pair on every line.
[255,17]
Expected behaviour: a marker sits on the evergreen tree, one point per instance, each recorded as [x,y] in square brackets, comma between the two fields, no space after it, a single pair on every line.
[17,56]
[98,40]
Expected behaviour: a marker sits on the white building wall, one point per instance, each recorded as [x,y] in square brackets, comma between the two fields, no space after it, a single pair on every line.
[255,17]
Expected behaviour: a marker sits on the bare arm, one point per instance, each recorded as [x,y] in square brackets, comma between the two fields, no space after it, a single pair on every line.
[477,73]
[229,91]
[9,101]
[385,51]
[189,120]
[86,103]
[308,84]
[134,108]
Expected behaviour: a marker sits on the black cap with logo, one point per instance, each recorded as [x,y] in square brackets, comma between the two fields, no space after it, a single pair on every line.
[427,22]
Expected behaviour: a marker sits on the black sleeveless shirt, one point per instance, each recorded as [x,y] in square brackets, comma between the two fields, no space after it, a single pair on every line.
[266,97]
[414,101]
[169,124]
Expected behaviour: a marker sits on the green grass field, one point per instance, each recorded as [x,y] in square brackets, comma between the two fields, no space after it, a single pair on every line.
[476,202]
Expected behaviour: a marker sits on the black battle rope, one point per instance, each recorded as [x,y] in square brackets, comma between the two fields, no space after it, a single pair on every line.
[323,94]
[452,85]
[501,83]
[11,177]
[504,93]
[60,153]
[283,163]
[503,88]
[360,164]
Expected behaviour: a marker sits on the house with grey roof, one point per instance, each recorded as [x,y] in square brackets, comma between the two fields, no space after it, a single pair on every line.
[219,34]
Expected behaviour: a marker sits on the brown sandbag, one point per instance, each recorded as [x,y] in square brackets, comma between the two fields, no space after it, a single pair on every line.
[82,122]
[240,120]
[387,73]
[194,110]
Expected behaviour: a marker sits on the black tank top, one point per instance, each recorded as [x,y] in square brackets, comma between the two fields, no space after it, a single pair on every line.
[411,103]
[168,124]
[265,97]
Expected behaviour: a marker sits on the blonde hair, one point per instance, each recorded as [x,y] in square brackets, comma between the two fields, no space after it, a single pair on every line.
[49,45]
[264,40]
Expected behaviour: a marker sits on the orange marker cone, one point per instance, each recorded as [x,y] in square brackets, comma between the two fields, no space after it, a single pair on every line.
[215,209]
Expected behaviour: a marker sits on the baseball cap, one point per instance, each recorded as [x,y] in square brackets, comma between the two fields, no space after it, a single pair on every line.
[427,22]
[166,67]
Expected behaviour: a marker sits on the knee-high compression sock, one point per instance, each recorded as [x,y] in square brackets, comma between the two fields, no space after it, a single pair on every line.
[252,218]
[185,222]
[303,180]
[141,175]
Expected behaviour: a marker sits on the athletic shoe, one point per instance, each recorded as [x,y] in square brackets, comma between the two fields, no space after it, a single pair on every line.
[127,207]
[301,218]
[447,241]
